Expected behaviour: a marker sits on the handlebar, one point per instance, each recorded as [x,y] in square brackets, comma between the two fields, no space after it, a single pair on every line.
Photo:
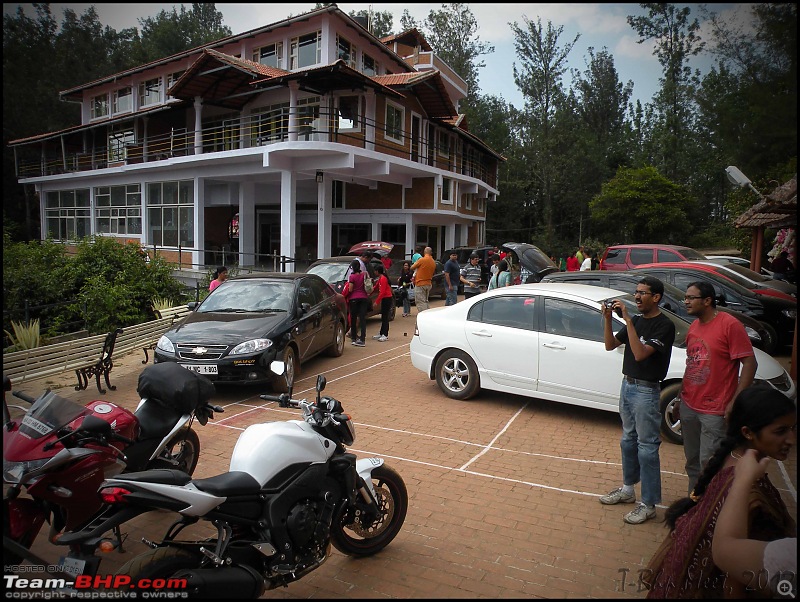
[24,397]
[318,414]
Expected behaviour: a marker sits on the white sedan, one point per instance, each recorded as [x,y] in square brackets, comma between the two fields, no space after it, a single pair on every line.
[545,340]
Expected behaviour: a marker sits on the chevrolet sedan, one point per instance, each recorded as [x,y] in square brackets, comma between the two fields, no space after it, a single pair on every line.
[249,321]
[528,340]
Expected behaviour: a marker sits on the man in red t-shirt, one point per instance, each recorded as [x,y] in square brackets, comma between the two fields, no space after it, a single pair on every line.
[716,346]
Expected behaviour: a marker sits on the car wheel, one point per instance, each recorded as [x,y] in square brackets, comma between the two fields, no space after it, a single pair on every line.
[337,347]
[280,384]
[769,342]
[670,413]
[392,312]
[457,375]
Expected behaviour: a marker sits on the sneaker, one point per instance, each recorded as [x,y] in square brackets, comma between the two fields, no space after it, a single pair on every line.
[618,497]
[353,342]
[377,337]
[383,338]
[640,514]
[359,344]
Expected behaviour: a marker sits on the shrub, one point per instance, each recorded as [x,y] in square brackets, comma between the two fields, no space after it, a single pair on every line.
[25,336]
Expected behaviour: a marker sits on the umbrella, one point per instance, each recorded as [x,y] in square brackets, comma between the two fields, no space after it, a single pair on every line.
[373,246]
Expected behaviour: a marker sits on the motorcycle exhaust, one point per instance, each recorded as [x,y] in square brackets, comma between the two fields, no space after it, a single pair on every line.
[223,583]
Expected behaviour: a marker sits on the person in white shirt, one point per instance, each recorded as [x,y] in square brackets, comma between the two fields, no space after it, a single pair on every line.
[587,262]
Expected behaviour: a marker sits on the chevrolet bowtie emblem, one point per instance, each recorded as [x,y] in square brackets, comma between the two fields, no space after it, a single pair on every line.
[199,350]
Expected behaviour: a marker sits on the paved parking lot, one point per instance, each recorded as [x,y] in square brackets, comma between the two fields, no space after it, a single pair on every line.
[503,489]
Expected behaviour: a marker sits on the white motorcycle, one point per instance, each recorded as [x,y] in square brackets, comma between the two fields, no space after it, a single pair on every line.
[292,490]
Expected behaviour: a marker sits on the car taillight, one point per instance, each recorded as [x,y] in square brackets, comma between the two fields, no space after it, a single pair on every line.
[113,495]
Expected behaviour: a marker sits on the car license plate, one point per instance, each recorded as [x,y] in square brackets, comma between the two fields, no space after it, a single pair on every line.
[202,368]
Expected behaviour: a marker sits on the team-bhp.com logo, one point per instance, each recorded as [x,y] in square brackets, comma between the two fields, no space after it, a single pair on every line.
[95,587]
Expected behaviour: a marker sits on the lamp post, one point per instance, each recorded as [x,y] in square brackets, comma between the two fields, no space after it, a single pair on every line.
[737,178]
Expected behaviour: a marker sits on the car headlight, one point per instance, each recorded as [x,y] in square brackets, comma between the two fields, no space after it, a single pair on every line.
[164,344]
[253,346]
[790,313]
[14,471]
[752,334]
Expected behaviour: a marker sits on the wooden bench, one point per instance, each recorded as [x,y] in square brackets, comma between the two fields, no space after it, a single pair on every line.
[167,318]
[88,356]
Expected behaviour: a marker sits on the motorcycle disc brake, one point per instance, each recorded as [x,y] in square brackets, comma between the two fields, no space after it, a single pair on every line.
[385,511]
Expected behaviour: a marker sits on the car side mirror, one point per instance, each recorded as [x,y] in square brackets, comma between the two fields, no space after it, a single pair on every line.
[192,305]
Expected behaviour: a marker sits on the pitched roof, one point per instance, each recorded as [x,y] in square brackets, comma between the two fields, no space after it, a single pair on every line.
[412,37]
[777,210]
[428,86]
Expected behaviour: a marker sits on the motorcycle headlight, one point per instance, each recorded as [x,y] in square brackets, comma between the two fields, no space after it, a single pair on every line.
[164,344]
[14,471]
[253,346]
[752,334]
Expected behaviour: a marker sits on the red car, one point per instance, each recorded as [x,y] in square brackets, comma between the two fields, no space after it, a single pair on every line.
[719,271]
[627,257]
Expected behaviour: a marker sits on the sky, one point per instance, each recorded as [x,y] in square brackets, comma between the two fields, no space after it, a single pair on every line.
[600,26]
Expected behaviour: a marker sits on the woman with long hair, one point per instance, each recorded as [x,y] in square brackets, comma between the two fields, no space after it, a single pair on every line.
[405,282]
[358,300]
[502,277]
[762,419]
[220,276]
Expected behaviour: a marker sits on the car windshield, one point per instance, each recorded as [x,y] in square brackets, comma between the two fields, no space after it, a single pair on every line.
[747,272]
[329,272]
[692,254]
[240,296]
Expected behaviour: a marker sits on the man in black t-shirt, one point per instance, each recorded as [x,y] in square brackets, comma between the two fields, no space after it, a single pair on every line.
[648,339]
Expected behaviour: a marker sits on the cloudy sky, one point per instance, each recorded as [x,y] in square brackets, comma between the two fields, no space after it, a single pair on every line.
[599,26]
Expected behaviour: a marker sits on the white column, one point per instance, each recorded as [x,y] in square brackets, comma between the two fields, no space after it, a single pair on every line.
[293,87]
[198,257]
[247,223]
[288,217]
[198,125]
[369,136]
[324,217]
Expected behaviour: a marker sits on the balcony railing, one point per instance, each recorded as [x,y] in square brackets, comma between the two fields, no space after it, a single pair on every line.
[256,131]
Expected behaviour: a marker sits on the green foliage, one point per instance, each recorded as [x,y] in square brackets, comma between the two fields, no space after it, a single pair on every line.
[109,305]
[641,205]
[25,336]
[380,21]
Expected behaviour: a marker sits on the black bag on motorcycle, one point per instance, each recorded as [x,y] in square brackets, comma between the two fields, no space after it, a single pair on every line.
[175,387]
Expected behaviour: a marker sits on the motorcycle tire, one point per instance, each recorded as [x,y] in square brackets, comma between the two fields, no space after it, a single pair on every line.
[350,537]
[184,458]
[159,563]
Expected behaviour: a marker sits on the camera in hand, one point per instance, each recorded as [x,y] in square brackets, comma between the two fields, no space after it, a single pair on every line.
[609,303]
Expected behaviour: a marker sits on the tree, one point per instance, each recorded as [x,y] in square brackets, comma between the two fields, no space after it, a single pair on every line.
[641,205]
[169,33]
[380,22]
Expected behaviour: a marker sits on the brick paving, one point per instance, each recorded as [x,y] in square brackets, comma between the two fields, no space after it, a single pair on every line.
[503,489]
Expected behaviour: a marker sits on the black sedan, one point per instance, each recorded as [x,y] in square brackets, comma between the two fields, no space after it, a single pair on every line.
[251,320]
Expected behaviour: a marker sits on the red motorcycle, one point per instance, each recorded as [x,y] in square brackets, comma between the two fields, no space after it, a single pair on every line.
[61,451]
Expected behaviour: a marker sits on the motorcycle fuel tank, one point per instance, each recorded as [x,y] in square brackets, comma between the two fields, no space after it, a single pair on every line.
[263,450]
[122,421]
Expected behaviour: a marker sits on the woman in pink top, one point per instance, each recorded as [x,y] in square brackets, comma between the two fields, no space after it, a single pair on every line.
[359,303]
[220,276]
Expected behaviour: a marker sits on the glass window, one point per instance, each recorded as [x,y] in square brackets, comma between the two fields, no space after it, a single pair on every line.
[565,318]
[640,256]
[346,52]
[118,209]
[172,78]
[67,214]
[447,190]
[305,51]
[515,311]
[150,92]
[170,213]
[100,106]
[443,146]
[615,256]
[664,256]
[368,65]
[123,100]
[118,143]
[271,55]
[337,195]
[394,122]
[348,113]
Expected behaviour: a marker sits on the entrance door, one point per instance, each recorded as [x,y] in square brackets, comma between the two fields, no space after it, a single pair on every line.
[269,241]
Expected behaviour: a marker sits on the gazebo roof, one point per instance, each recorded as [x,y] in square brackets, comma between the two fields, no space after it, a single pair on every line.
[777,210]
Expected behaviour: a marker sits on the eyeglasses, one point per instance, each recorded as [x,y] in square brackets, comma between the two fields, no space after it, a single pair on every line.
[692,297]
[640,293]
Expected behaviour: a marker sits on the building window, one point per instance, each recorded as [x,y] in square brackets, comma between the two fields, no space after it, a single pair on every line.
[368,65]
[123,100]
[118,209]
[305,51]
[348,113]
[118,142]
[269,124]
[173,77]
[447,191]
[469,201]
[100,106]
[345,51]
[395,117]
[480,205]
[337,194]
[443,143]
[222,133]
[150,92]
[68,215]
[271,55]
[170,213]
[309,123]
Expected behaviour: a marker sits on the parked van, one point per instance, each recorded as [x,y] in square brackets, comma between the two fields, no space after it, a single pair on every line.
[626,257]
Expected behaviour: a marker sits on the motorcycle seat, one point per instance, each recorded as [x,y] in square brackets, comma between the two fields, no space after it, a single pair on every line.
[229,483]
[155,420]
[163,476]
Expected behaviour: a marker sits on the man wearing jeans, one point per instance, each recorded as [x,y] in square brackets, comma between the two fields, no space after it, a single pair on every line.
[423,279]
[648,339]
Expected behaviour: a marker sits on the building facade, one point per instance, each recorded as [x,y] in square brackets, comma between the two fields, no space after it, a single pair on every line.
[295,140]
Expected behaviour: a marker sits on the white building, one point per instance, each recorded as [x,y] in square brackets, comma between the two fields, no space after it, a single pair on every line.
[296,139]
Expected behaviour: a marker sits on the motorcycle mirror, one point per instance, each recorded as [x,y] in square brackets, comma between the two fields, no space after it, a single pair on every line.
[321,382]
[95,425]
[6,383]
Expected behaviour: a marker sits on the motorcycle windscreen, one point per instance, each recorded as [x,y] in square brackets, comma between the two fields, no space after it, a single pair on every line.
[49,413]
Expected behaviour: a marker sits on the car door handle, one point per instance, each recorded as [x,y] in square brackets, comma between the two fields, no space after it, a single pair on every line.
[482,333]
[554,346]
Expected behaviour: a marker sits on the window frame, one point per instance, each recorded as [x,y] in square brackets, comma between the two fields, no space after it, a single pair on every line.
[390,127]
[119,138]
[93,106]
[258,56]
[127,214]
[145,92]
[117,95]
[364,69]
[447,190]
[180,204]
[68,208]
[349,57]
[356,121]
[295,47]
[443,136]
[337,194]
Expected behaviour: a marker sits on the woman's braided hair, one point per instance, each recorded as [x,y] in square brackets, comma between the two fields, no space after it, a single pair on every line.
[755,407]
